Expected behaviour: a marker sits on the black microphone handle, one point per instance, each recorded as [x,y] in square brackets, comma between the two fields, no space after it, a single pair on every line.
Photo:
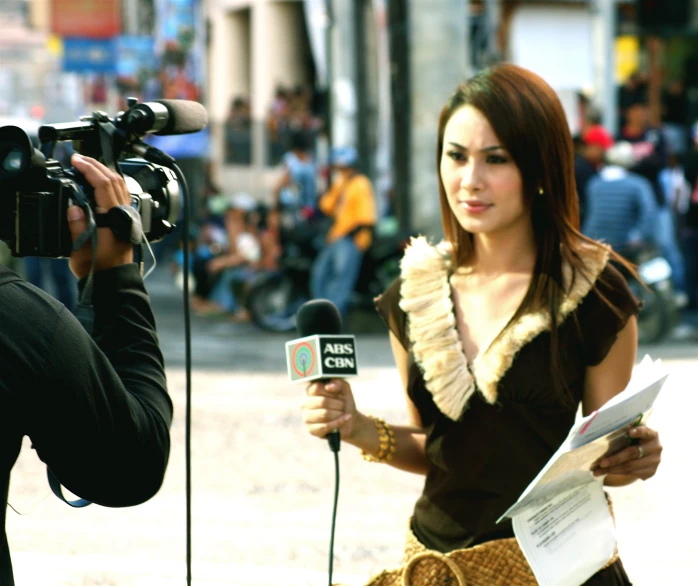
[320,317]
[333,438]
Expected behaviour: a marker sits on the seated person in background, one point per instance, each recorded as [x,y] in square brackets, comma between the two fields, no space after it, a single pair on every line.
[208,240]
[237,263]
[269,234]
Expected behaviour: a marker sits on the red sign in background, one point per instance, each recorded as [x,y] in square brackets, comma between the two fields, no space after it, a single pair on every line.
[96,19]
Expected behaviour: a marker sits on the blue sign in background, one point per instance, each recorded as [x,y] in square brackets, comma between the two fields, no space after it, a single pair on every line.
[174,17]
[89,55]
[134,53]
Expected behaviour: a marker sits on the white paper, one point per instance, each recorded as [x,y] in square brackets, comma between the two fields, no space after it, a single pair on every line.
[638,397]
[562,521]
[568,539]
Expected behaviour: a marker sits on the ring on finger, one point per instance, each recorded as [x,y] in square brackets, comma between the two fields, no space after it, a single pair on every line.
[640,451]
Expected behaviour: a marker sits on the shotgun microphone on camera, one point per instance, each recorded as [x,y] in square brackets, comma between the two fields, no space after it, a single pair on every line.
[167,117]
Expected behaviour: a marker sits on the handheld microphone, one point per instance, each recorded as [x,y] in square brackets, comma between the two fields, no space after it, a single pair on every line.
[167,117]
[321,352]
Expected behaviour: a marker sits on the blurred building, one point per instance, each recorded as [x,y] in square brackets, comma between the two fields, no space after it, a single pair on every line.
[278,66]
[29,60]
[258,49]
[372,73]
[60,59]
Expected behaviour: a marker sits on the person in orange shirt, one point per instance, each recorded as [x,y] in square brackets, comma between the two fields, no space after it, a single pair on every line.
[351,204]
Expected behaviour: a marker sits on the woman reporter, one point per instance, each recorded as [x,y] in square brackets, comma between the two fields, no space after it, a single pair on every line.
[502,330]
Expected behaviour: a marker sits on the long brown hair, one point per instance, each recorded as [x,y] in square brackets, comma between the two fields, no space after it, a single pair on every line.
[529,121]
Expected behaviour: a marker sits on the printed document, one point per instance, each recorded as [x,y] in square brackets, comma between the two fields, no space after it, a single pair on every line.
[562,521]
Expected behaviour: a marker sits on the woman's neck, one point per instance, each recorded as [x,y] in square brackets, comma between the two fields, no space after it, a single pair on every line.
[500,254]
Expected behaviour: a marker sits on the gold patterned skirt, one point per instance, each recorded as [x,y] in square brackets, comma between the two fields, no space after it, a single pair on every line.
[493,563]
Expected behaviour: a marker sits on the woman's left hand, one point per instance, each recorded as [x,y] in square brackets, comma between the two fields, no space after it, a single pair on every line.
[640,460]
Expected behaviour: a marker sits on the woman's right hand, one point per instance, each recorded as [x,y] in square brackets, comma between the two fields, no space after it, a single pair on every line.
[329,405]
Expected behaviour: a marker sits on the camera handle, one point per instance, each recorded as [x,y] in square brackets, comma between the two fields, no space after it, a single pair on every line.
[107,137]
[84,310]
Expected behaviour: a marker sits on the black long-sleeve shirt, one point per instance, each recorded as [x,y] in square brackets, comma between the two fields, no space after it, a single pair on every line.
[95,408]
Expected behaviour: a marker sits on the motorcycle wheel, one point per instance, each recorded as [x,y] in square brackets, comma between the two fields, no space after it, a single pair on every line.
[274,301]
[654,322]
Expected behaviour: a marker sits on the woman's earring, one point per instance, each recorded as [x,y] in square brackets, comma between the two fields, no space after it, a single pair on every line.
[540,191]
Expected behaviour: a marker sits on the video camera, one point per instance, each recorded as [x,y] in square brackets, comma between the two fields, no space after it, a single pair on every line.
[36,191]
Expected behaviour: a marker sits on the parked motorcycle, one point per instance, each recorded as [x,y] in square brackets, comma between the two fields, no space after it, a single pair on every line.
[274,298]
[659,313]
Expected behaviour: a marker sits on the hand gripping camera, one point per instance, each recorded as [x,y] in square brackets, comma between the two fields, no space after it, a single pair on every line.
[36,191]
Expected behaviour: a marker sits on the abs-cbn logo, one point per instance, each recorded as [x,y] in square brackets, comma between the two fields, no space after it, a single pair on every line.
[338,355]
[316,357]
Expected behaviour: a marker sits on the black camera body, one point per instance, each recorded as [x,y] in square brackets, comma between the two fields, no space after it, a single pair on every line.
[32,208]
[36,190]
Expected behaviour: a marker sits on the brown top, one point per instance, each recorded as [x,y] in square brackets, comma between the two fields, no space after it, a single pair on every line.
[493,424]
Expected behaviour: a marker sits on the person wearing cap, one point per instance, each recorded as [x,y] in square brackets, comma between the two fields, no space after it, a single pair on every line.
[595,141]
[235,265]
[620,204]
[350,203]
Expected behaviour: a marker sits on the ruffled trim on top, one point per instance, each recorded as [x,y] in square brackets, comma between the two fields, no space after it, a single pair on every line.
[427,274]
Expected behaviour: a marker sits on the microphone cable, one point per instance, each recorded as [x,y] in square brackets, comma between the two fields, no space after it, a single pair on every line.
[187,358]
[334,439]
[155,155]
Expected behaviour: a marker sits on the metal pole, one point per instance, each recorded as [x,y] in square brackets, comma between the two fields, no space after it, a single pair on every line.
[604,15]
[365,114]
[330,71]
[492,19]
[400,84]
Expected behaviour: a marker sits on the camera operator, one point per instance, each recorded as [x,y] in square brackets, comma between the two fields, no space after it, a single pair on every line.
[95,406]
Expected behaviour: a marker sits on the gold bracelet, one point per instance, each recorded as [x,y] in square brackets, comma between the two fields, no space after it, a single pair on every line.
[386,440]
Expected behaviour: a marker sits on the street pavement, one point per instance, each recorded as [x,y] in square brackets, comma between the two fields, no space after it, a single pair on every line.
[262,487]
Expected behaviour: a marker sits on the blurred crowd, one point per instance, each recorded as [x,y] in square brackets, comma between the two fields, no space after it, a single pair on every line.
[639,189]
[238,238]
